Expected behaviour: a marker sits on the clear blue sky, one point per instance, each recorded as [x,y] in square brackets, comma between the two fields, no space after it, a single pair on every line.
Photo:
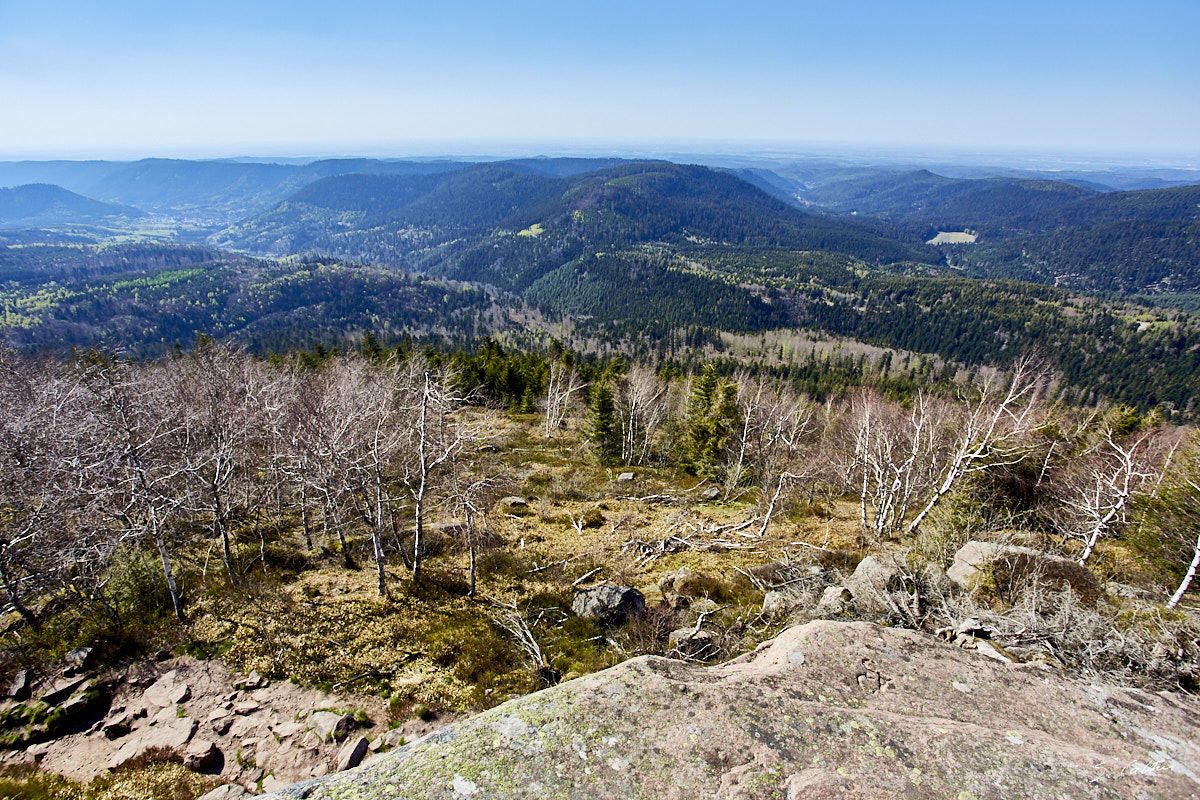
[247,77]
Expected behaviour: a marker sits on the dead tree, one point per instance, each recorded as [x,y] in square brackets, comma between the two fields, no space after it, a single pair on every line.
[993,431]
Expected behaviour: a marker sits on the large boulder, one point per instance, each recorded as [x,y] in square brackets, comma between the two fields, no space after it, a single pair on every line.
[873,578]
[609,604]
[22,686]
[1004,569]
[826,710]
[351,754]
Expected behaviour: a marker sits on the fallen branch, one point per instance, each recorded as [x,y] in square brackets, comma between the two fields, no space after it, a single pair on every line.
[585,576]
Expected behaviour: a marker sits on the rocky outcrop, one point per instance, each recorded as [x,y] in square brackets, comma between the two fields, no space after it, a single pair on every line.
[827,709]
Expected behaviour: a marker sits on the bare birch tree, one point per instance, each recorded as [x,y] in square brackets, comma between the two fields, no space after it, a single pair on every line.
[992,432]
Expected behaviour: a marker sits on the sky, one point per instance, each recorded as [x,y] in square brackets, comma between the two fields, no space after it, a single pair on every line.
[249,78]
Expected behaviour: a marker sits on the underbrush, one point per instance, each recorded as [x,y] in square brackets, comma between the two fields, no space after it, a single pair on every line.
[163,780]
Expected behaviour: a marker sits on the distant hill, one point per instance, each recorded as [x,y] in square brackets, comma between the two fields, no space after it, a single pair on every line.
[947,203]
[45,204]
[214,189]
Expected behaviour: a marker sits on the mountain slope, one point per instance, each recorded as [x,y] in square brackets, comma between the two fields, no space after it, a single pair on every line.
[45,204]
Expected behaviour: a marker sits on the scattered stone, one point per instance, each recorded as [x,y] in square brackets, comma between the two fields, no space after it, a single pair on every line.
[21,687]
[250,682]
[221,725]
[230,791]
[609,604]
[170,689]
[514,502]
[200,754]
[833,601]
[352,753]
[710,494]
[625,477]
[330,726]
[118,726]
[246,709]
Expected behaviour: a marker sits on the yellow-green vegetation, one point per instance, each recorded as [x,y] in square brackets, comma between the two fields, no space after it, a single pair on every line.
[533,230]
[429,647]
[142,781]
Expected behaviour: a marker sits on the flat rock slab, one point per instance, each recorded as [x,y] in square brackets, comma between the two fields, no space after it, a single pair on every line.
[167,690]
[828,710]
[168,735]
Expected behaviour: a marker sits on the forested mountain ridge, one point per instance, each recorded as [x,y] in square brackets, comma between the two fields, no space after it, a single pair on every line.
[403,221]
[46,204]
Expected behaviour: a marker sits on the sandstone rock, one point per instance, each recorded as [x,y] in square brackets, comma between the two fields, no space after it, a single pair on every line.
[79,659]
[625,477]
[711,493]
[609,604]
[833,601]
[250,682]
[693,643]
[63,689]
[230,791]
[169,689]
[976,561]
[246,709]
[173,735]
[352,753]
[873,578]
[328,726]
[778,604]
[514,503]
[827,710]
[118,726]
[200,754]
[21,687]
